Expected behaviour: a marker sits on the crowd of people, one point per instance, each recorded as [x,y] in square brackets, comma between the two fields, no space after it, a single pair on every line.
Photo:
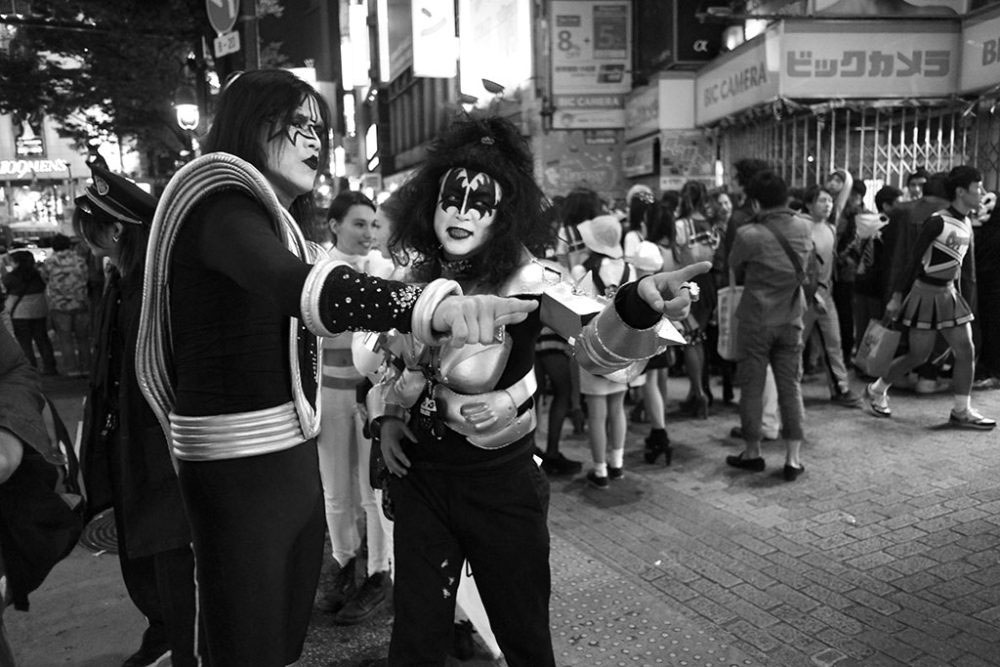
[51,299]
[253,393]
[817,267]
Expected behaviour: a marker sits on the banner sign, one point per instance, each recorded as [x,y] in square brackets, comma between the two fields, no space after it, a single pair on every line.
[739,80]
[871,59]
[591,45]
[981,53]
[588,111]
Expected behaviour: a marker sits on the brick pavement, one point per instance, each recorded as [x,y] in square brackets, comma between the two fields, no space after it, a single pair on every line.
[885,552]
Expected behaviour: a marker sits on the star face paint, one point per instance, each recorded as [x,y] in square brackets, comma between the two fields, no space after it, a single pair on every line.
[467,207]
[293,152]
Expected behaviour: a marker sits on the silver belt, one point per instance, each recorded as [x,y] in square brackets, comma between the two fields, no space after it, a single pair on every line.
[236,435]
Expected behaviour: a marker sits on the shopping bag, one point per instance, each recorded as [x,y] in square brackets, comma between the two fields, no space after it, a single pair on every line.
[877,348]
[728,302]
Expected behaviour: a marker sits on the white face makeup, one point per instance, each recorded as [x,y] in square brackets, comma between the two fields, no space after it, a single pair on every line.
[293,153]
[467,207]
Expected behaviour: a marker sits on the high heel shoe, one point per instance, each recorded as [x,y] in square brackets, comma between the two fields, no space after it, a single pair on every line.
[657,444]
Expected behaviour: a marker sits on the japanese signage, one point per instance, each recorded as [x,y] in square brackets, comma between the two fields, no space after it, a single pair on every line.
[736,81]
[870,59]
[981,55]
[591,45]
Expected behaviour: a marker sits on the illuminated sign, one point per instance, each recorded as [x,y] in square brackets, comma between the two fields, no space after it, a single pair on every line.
[21,169]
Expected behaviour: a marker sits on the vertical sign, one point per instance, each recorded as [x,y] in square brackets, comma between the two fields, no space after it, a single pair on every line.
[495,44]
[435,47]
[591,44]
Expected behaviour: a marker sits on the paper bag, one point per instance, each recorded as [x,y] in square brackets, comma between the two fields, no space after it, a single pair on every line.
[877,349]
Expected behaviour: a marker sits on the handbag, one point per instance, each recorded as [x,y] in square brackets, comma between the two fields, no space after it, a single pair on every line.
[877,349]
[728,301]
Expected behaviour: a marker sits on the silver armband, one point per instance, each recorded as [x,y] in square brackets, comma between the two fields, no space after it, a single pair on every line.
[433,294]
[309,302]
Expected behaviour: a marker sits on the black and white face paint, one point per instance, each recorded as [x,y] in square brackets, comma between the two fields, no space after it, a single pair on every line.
[293,152]
[467,207]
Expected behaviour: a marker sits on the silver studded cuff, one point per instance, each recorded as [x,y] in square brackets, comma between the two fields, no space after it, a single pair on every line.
[309,302]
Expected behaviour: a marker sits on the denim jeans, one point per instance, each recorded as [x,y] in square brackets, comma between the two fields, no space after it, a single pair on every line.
[828,325]
[781,347]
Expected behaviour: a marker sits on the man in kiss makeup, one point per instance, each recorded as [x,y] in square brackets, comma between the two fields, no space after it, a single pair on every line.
[233,302]
[456,424]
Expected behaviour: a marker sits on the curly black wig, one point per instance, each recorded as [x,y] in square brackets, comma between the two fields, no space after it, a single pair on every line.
[494,146]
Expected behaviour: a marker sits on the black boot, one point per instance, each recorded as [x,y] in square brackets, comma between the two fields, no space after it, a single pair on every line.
[657,443]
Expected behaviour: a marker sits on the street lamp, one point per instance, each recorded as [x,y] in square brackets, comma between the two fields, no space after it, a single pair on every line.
[186,107]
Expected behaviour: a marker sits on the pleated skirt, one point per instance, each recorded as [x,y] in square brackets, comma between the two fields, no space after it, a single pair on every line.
[934,307]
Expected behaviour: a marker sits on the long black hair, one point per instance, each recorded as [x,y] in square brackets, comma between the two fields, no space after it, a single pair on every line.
[257,104]
[492,145]
[94,226]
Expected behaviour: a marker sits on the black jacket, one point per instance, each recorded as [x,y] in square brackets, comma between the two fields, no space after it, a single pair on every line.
[123,454]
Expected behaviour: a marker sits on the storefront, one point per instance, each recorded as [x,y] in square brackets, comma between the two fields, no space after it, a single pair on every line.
[879,98]
[40,174]
[664,149]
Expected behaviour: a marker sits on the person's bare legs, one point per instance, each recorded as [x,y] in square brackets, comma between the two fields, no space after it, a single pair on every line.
[597,424]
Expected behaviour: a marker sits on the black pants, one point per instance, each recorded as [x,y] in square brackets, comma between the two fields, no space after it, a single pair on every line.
[843,301]
[495,519]
[35,330]
[162,587]
[258,527]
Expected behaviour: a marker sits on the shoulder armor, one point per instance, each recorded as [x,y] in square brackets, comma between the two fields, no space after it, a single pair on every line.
[533,276]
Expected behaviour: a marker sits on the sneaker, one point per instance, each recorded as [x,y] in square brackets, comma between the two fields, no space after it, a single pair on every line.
[373,595]
[847,399]
[615,473]
[560,465]
[737,432]
[879,403]
[596,480]
[152,652]
[343,588]
[929,386]
[969,418]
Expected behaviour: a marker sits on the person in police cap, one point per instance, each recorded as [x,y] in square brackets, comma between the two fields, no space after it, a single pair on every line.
[124,455]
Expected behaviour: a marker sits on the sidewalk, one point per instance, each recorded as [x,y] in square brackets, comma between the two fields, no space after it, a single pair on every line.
[885,552]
